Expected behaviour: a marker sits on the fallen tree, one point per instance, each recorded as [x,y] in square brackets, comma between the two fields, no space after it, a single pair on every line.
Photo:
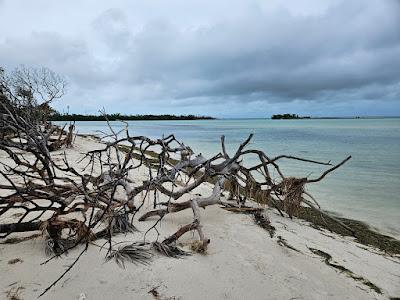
[73,206]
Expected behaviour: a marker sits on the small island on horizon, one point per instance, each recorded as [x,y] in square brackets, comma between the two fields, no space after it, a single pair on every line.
[288,116]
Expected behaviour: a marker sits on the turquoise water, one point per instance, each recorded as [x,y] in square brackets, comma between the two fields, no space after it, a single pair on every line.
[366,188]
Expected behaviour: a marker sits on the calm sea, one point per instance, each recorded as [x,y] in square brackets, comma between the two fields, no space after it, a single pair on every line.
[367,188]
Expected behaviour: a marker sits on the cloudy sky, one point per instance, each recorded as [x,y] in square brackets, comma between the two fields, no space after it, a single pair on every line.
[223,58]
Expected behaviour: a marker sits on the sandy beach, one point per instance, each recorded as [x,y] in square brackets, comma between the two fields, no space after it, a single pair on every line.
[242,261]
[200,150]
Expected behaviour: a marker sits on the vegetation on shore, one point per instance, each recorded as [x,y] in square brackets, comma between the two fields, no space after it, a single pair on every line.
[287,116]
[114,117]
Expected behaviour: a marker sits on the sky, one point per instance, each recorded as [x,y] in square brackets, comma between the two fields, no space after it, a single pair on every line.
[227,58]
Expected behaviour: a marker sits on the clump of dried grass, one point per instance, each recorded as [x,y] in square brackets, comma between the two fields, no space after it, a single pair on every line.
[169,250]
[119,223]
[198,247]
[137,253]
[292,190]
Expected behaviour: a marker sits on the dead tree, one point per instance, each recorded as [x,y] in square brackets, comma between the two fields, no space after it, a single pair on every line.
[41,178]
[72,206]
[31,90]
[25,97]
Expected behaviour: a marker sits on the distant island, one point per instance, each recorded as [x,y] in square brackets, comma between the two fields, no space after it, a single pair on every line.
[288,116]
[114,117]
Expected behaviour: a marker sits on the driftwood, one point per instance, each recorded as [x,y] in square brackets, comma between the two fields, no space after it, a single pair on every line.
[73,207]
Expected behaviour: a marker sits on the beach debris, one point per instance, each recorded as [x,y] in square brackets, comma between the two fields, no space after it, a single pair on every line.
[262,220]
[328,261]
[15,293]
[241,209]
[137,253]
[155,293]
[169,249]
[119,223]
[198,247]
[282,242]
[14,261]
[292,190]
[102,196]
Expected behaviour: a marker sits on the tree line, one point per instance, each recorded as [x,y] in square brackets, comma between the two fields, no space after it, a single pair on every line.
[56,116]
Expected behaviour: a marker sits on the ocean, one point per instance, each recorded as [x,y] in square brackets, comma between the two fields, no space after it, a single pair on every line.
[367,188]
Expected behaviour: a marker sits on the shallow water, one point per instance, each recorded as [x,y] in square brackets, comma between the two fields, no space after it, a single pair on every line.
[366,188]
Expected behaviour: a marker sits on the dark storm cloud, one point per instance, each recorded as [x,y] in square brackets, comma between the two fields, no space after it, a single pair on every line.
[130,58]
[285,55]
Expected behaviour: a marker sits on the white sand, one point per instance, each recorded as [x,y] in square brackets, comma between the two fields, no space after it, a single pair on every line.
[242,262]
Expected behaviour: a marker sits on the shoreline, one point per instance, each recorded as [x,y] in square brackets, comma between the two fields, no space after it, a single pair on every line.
[242,261]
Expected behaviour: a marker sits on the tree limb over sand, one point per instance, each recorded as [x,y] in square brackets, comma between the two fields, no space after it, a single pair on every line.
[93,195]
[73,206]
